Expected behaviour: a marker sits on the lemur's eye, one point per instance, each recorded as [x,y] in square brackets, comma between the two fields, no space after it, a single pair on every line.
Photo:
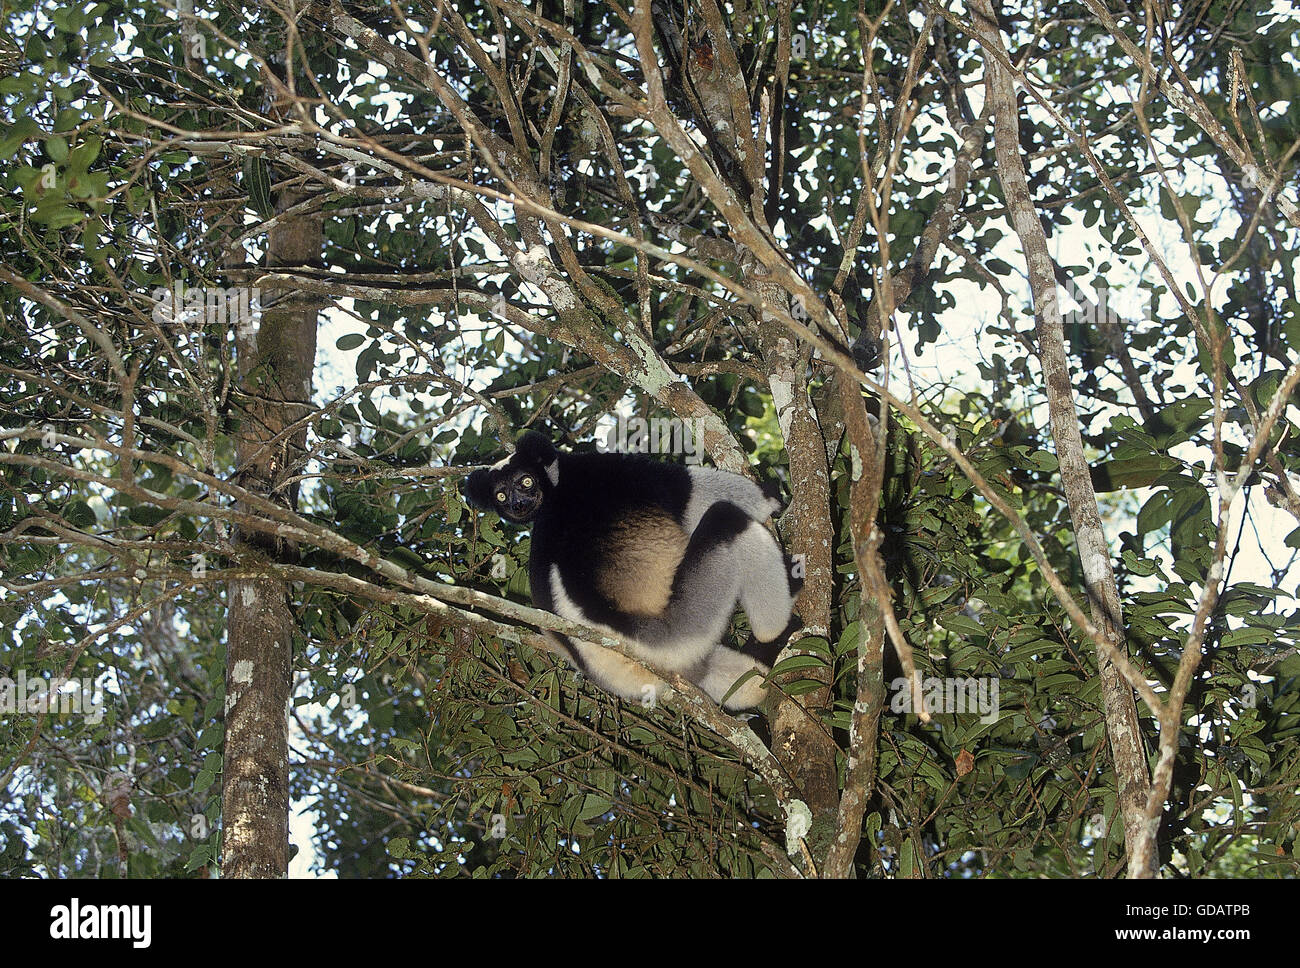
[501,496]
[527,482]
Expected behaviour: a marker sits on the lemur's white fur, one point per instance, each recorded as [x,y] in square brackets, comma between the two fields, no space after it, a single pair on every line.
[694,557]
[695,647]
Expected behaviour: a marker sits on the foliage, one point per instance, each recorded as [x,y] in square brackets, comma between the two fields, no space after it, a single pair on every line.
[140,157]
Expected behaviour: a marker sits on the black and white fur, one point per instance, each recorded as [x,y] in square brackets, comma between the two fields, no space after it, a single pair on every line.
[658,554]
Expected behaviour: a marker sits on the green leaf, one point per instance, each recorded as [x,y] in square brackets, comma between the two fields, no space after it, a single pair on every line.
[55,213]
[84,155]
[257,185]
[1248,636]
[1175,422]
[1141,471]
[848,638]
[793,662]
[78,514]
[148,515]
[594,806]
[1154,514]
[802,686]
[962,624]
[199,857]
[23,130]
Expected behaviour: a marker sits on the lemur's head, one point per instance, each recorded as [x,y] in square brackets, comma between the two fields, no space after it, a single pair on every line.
[516,487]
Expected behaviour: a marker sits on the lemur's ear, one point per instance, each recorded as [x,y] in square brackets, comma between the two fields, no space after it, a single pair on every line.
[477,490]
[536,448]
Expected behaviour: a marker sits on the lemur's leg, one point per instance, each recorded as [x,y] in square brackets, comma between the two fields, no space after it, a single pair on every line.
[704,592]
[766,590]
[710,486]
[705,588]
[723,668]
[612,671]
[730,557]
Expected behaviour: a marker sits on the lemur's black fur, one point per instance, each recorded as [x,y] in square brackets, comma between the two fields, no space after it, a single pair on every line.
[658,553]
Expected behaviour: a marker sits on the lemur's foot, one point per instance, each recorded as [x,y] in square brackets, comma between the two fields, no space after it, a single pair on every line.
[766,652]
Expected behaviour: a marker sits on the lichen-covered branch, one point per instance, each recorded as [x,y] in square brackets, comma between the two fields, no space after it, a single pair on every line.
[1094,553]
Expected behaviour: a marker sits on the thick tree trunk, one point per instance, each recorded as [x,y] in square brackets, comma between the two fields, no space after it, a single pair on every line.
[275,370]
[799,739]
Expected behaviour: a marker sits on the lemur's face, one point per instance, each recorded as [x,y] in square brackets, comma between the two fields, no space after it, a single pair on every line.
[516,486]
[517,494]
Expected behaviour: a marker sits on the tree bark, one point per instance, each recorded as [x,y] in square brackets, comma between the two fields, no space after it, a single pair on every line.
[866,475]
[275,363]
[1131,774]
[799,739]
